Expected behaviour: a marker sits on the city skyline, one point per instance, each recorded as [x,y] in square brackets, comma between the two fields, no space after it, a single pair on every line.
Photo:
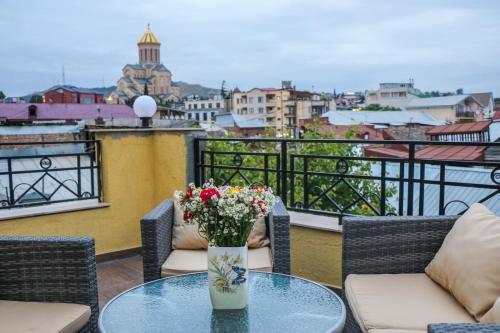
[443,45]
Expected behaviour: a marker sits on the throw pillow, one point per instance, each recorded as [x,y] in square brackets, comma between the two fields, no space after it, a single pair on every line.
[468,262]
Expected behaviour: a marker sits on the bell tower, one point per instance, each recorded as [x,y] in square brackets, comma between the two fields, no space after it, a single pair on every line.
[149,48]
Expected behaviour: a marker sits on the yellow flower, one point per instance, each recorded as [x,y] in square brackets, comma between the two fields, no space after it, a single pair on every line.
[225,257]
[237,260]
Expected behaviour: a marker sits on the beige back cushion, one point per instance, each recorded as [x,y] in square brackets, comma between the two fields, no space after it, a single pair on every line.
[468,262]
[493,315]
[187,237]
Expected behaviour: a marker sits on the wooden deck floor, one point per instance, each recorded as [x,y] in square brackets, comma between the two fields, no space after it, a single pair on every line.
[116,276]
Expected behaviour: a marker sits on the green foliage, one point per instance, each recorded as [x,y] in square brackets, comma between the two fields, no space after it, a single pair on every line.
[36,99]
[130,101]
[344,193]
[378,107]
[2,95]
[146,92]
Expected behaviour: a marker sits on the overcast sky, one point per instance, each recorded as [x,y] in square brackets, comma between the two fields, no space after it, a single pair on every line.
[349,45]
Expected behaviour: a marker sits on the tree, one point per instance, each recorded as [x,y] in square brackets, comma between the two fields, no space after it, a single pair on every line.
[130,101]
[2,95]
[146,92]
[378,107]
[460,91]
[36,99]
[319,184]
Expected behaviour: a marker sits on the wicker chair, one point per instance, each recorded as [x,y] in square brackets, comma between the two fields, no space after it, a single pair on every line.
[50,269]
[392,245]
[156,230]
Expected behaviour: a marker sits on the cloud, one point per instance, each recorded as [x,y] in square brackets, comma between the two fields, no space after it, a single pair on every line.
[347,45]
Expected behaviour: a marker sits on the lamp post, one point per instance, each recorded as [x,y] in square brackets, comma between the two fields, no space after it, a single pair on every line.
[145,108]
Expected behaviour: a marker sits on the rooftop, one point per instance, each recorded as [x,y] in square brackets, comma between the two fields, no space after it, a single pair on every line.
[383,118]
[49,111]
[472,127]
[437,101]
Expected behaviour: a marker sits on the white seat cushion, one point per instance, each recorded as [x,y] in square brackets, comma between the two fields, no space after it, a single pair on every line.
[401,302]
[189,261]
[42,317]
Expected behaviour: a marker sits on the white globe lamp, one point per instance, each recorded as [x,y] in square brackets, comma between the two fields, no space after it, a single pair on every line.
[145,108]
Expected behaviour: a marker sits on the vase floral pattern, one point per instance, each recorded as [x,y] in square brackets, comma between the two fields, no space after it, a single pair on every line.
[228,277]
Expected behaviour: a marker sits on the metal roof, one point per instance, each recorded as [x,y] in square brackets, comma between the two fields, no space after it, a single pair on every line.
[47,185]
[49,111]
[472,127]
[496,116]
[39,129]
[452,194]
[483,98]
[230,120]
[391,118]
[446,153]
[442,101]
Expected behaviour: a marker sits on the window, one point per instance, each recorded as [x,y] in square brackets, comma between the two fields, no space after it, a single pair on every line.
[250,100]
[217,105]
[260,99]
[212,115]
[251,110]
[205,117]
[237,101]
[209,105]
[261,110]
[195,106]
[197,116]
[202,105]
[190,106]
[190,115]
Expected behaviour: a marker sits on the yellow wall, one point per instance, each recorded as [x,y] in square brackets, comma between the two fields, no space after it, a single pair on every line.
[139,170]
[317,255]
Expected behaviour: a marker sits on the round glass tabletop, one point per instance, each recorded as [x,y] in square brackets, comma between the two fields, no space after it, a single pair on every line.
[277,303]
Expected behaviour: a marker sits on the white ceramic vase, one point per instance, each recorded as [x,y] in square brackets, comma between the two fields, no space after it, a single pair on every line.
[228,277]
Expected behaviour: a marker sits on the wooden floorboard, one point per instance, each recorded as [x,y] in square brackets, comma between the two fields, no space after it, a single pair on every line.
[116,276]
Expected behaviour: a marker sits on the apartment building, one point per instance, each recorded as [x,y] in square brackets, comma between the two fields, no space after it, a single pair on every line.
[397,95]
[279,108]
[204,109]
[455,108]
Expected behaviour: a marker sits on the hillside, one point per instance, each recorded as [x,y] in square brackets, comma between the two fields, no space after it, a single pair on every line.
[188,89]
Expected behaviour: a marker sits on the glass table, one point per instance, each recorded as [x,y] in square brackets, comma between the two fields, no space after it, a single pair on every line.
[277,303]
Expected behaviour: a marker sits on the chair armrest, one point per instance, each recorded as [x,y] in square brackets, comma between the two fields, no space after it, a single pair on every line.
[156,234]
[50,269]
[395,244]
[463,328]
[279,235]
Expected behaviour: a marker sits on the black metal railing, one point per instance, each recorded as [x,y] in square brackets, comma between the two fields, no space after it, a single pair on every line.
[38,173]
[352,177]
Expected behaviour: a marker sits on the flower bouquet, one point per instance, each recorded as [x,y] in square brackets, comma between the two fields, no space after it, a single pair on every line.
[225,216]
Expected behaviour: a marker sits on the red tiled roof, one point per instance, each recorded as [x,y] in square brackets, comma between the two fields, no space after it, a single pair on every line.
[48,111]
[496,116]
[453,153]
[472,127]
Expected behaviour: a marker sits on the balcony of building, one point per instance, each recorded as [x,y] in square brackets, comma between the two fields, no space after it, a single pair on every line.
[101,188]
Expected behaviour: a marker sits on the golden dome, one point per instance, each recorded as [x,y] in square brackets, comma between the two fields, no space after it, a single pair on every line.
[148,38]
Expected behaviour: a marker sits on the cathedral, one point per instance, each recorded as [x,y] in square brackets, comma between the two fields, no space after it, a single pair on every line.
[149,71]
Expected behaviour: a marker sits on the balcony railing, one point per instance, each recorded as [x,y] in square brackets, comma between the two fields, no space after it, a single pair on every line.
[38,173]
[335,177]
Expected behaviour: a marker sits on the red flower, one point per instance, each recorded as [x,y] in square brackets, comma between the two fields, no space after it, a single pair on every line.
[187,215]
[205,195]
[189,192]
